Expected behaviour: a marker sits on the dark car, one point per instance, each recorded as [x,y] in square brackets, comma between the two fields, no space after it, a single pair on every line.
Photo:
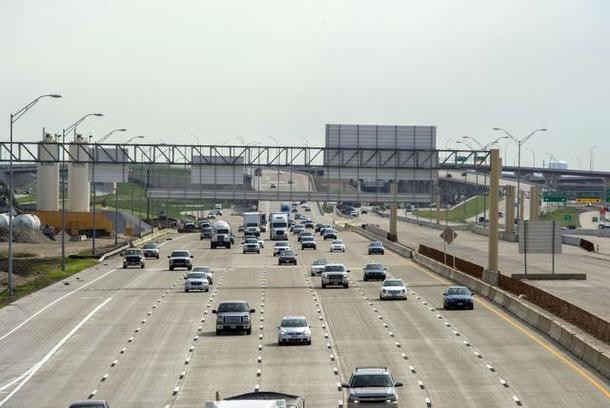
[330,233]
[308,242]
[376,247]
[90,404]
[374,271]
[458,297]
[287,257]
[309,224]
[133,257]
[317,227]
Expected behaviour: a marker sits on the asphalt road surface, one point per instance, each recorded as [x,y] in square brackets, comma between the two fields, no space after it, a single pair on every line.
[135,338]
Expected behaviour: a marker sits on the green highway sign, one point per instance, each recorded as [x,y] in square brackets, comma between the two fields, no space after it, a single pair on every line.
[460,159]
[554,197]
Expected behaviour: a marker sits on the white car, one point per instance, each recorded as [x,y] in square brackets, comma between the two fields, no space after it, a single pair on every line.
[293,329]
[261,243]
[393,289]
[196,281]
[208,271]
[279,247]
[317,267]
[337,246]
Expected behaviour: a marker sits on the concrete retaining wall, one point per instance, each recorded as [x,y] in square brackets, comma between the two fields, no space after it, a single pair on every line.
[572,339]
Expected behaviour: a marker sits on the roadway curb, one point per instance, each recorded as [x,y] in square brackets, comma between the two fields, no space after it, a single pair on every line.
[579,344]
[137,242]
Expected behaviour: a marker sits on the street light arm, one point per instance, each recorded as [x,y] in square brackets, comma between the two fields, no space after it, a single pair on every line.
[465,143]
[474,140]
[78,122]
[508,134]
[488,145]
[525,139]
[110,134]
[15,116]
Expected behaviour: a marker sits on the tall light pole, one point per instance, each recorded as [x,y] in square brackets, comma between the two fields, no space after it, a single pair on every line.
[13,118]
[591,158]
[484,147]
[93,181]
[65,131]
[519,143]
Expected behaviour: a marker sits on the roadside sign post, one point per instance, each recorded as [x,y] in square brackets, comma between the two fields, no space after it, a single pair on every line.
[539,237]
[448,235]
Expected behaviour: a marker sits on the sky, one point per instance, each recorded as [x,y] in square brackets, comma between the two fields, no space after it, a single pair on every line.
[212,72]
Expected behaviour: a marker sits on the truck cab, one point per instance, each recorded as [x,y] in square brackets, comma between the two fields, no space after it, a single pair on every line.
[221,235]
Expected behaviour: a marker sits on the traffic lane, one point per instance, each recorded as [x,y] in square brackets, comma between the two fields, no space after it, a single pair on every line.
[296,369]
[77,361]
[225,363]
[359,340]
[451,373]
[25,346]
[512,351]
[590,294]
[543,374]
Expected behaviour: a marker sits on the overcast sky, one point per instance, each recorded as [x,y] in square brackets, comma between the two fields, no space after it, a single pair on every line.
[182,71]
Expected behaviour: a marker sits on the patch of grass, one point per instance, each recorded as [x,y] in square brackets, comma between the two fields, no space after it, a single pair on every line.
[18,254]
[460,213]
[561,216]
[328,208]
[41,273]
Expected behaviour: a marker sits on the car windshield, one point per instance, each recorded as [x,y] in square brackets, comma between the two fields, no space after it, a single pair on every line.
[374,267]
[132,252]
[393,283]
[251,241]
[329,231]
[337,242]
[306,238]
[371,380]
[287,253]
[375,244]
[319,262]
[178,254]
[233,307]
[281,244]
[294,323]
[196,275]
[150,246]
[458,291]
[334,268]
[201,269]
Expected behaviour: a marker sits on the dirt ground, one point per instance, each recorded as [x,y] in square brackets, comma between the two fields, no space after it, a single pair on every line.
[53,248]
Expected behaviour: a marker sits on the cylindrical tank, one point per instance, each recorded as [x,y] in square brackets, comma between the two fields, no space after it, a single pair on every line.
[4,221]
[26,221]
[78,191]
[47,178]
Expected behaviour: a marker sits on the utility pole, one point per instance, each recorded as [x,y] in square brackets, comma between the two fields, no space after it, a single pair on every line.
[491,275]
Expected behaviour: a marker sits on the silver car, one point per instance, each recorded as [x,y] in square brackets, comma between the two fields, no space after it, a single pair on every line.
[393,289]
[317,267]
[279,247]
[293,329]
[196,281]
[371,387]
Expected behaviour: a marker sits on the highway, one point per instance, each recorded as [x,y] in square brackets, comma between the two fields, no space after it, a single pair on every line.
[136,339]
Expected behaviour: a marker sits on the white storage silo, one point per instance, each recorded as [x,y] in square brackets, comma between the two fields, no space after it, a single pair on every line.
[47,178]
[78,189]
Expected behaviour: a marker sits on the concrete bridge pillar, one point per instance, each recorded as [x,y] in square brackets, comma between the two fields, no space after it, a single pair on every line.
[393,236]
[509,211]
[534,203]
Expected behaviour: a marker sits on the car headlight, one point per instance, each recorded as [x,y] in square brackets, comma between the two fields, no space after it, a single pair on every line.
[307,332]
[391,398]
[384,290]
[282,331]
[219,319]
[345,274]
[246,318]
[353,398]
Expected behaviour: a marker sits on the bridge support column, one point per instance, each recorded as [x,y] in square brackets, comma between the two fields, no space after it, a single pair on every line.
[393,235]
[437,189]
[509,211]
[534,203]
[490,275]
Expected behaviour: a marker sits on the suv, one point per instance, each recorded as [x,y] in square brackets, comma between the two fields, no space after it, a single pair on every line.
[371,385]
[233,315]
[376,247]
[374,271]
[133,257]
[251,245]
[287,257]
[308,242]
[196,281]
[180,259]
[335,274]
[151,250]
[206,232]
[330,233]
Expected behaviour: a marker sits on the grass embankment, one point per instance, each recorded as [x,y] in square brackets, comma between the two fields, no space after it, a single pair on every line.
[328,208]
[564,216]
[37,273]
[133,196]
[460,213]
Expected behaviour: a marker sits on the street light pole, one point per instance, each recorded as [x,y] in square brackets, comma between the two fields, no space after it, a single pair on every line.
[65,131]
[519,143]
[533,156]
[591,158]
[13,118]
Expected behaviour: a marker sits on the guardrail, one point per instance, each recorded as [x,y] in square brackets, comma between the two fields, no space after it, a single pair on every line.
[137,242]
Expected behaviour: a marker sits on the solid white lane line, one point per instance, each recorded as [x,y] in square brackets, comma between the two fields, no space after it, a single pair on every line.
[54,350]
[14,381]
[20,325]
